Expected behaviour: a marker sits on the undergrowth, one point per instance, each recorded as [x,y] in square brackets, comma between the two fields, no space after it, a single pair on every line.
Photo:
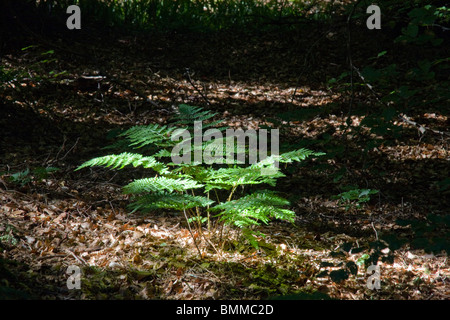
[198,15]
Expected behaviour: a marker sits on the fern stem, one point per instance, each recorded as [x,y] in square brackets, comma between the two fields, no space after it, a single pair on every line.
[231,193]
[197,211]
[208,215]
[217,224]
[192,235]
[222,243]
[217,196]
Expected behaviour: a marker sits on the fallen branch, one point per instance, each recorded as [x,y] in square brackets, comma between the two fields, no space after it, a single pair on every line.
[188,76]
[420,127]
[79,259]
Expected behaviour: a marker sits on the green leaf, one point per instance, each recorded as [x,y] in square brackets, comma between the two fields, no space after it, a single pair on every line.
[252,209]
[362,260]
[156,184]
[153,134]
[166,200]
[382,53]
[121,160]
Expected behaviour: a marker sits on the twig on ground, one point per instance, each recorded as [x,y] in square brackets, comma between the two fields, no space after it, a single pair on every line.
[79,259]
[188,76]
[192,235]
[375,230]
[76,142]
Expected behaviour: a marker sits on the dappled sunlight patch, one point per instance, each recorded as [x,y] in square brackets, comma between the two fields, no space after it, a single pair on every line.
[417,152]
[154,256]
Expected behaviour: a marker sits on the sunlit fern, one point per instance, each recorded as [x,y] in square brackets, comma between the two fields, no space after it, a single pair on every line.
[204,188]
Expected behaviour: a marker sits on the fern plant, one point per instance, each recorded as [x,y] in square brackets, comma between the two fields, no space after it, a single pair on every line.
[203,192]
[354,198]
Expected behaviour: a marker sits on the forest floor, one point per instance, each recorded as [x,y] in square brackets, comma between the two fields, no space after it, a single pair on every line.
[50,221]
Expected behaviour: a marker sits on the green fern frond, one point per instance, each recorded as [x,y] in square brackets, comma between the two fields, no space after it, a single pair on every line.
[297,155]
[163,153]
[157,184]
[121,160]
[186,115]
[287,157]
[217,149]
[250,236]
[254,208]
[226,178]
[164,200]
[214,124]
[168,189]
[140,136]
